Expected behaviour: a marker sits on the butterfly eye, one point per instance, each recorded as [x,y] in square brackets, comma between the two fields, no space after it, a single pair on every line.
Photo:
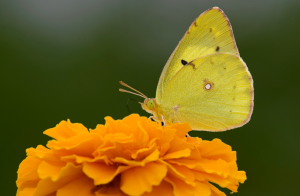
[150,104]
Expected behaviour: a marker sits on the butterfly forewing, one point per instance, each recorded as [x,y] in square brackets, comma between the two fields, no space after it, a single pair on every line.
[212,93]
[210,33]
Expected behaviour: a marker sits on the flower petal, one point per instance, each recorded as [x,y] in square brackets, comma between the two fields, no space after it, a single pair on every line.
[27,171]
[65,130]
[50,170]
[83,144]
[182,129]
[144,152]
[27,188]
[178,154]
[183,189]
[150,158]
[218,167]
[164,188]
[215,191]
[186,172]
[102,173]
[81,186]
[241,176]
[221,181]
[202,189]
[139,180]
[179,148]
[216,149]
[67,174]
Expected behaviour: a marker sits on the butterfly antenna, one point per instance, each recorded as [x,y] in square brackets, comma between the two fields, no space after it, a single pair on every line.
[125,91]
[139,93]
[128,104]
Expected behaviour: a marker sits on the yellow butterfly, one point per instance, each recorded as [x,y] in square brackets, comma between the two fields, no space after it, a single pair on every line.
[205,83]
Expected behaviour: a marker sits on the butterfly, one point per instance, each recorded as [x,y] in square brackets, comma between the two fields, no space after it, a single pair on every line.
[205,83]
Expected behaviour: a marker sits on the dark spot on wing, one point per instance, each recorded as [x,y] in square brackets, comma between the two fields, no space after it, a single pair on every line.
[191,64]
[224,68]
[195,24]
[210,29]
[183,62]
[217,49]
[208,85]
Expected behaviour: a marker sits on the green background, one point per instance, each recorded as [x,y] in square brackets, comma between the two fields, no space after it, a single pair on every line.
[64,59]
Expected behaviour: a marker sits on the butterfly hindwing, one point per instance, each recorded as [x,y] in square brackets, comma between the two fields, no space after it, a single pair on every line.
[212,93]
[210,33]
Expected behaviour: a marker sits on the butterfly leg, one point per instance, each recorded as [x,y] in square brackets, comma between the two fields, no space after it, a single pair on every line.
[154,118]
[163,120]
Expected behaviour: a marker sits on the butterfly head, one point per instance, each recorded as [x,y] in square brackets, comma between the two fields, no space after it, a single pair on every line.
[149,105]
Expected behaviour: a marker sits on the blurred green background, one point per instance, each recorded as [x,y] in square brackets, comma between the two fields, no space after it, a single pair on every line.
[64,59]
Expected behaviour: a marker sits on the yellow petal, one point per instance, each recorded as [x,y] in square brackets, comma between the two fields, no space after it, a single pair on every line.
[39,151]
[102,173]
[27,188]
[182,129]
[43,153]
[139,180]
[183,189]
[81,186]
[221,181]
[83,144]
[180,187]
[218,167]
[179,148]
[77,159]
[65,130]
[50,170]
[165,140]
[163,189]
[27,170]
[178,154]
[186,172]
[143,152]
[67,174]
[202,189]
[216,149]
[215,191]
[142,136]
[180,173]
[191,161]
[131,120]
[241,176]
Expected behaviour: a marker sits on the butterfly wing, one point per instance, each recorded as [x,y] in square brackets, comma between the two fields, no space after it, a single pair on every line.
[212,93]
[210,33]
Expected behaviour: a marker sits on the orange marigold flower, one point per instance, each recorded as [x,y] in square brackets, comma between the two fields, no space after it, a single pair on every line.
[133,156]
